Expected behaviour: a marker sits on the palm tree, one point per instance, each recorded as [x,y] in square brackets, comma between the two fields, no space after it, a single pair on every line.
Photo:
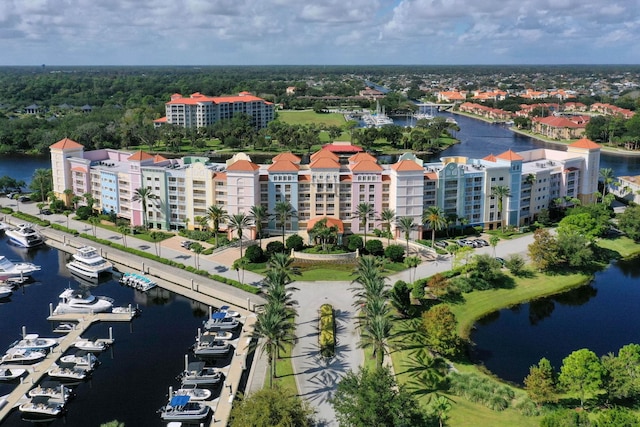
[406,225]
[42,178]
[197,249]
[239,222]
[259,215]
[376,333]
[435,219]
[156,236]
[493,241]
[500,192]
[283,213]
[143,195]
[123,229]
[607,178]
[94,221]
[441,407]
[386,217]
[68,193]
[67,213]
[364,212]
[240,264]
[412,262]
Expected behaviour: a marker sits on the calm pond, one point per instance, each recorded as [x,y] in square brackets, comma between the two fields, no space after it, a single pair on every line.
[601,316]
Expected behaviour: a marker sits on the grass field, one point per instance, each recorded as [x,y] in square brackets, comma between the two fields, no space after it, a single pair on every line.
[622,245]
[307,117]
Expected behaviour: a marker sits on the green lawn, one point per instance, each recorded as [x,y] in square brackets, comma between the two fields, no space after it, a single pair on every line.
[306,117]
[284,372]
[623,245]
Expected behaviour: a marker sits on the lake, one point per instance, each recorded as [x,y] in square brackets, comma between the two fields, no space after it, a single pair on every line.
[601,316]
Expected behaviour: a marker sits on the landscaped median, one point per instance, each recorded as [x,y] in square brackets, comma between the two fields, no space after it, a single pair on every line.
[327,337]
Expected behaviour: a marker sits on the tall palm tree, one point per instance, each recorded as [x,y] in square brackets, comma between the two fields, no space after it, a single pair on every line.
[607,178]
[364,212]
[435,219]
[43,180]
[386,217]
[124,230]
[143,195]
[240,264]
[283,213]
[197,249]
[406,225]
[216,213]
[239,222]
[259,215]
[500,192]
[68,193]
[375,334]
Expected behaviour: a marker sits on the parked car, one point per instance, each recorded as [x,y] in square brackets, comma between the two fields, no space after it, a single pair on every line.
[186,244]
[481,242]
[46,212]
[24,199]
[500,260]
[441,244]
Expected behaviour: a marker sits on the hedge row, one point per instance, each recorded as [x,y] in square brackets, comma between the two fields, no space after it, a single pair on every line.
[32,219]
[327,331]
[65,229]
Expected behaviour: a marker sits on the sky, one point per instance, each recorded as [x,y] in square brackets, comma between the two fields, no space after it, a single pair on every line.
[322,32]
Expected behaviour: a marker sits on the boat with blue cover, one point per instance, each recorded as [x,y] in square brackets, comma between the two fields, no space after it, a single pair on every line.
[181,408]
[138,281]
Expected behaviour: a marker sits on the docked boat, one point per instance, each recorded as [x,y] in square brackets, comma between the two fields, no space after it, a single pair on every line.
[228,312]
[5,291]
[181,408]
[11,374]
[4,226]
[68,371]
[81,301]
[52,389]
[219,335]
[23,356]
[138,281]
[25,235]
[45,406]
[210,346]
[89,263]
[35,342]
[89,345]
[10,270]
[194,393]
[82,359]
[220,321]
[197,374]
[64,328]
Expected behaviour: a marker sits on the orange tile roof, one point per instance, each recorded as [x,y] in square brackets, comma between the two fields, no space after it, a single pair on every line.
[346,178]
[243,166]
[324,163]
[331,222]
[323,154]
[406,166]
[366,166]
[431,176]
[220,176]
[490,158]
[510,155]
[362,156]
[286,156]
[66,143]
[304,178]
[139,156]
[386,178]
[342,148]
[158,158]
[161,120]
[197,98]
[585,143]
[283,166]
[79,169]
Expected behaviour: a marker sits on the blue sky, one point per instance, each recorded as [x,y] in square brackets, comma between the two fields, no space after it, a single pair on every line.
[255,32]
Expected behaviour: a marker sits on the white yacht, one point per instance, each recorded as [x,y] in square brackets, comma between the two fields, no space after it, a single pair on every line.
[10,270]
[88,262]
[35,342]
[194,393]
[81,301]
[198,374]
[25,235]
[220,322]
[42,405]
[51,389]
[89,345]
[23,355]
[81,359]
[180,408]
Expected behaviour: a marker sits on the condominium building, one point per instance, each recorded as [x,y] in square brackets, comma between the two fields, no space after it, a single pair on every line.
[331,184]
[199,110]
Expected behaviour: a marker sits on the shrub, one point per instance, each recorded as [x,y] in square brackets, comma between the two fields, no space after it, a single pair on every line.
[354,243]
[374,247]
[327,338]
[199,235]
[295,242]
[83,213]
[274,247]
[418,290]
[254,254]
[462,283]
[395,253]
[400,297]
[515,263]
[6,210]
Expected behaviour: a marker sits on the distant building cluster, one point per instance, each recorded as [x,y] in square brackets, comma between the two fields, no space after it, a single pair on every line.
[332,183]
[199,110]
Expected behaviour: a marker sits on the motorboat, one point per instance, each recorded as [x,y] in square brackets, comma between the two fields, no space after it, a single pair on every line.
[25,235]
[181,408]
[64,328]
[4,226]
[14,282]
[89,345]
[35,342]
[52,389]
[42,405]
[228,312]
[210,346]
[11,374]
[67,371]
[81,301]
[5,291]
[197,374]
[138,281]
[220,321]
[9,270]
[220,335]
[89,263]
[82,359]
[194,393]
[23,356]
